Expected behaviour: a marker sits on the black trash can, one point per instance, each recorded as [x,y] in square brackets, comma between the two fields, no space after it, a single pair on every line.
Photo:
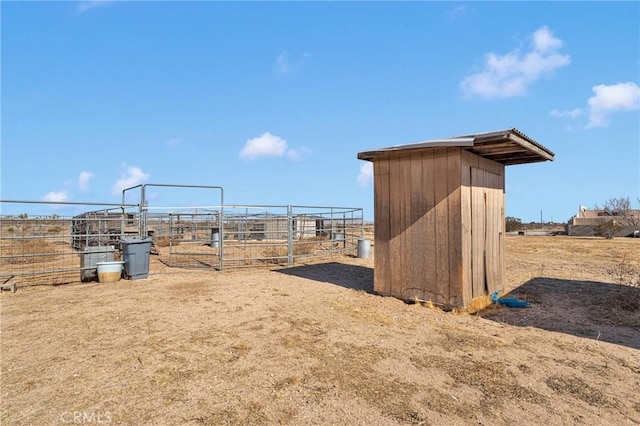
[135,254]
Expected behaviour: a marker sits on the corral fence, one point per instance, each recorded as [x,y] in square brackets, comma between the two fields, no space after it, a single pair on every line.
[62,245]
[51,243]
[240,236]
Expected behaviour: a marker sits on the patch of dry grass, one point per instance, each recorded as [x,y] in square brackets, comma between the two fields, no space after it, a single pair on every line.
[362,315]
[478,304]
[28,251]
[577,388]
[165,242]
[448,405]
[350,369]
[277,254]
[459,338]
[622,305]
[492,378]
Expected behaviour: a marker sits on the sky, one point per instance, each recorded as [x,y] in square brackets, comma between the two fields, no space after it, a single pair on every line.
[273,100]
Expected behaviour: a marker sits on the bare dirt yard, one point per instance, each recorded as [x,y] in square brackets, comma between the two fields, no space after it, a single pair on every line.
[313,345]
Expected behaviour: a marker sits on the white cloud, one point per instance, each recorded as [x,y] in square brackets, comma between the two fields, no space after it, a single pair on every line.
[83,180]
[298,154]
[574,113]
[85,6]
[509,75]
[606,101]
[132,177]
[365,177]
[267,145]
[56,196]
[610,99]
[284,65]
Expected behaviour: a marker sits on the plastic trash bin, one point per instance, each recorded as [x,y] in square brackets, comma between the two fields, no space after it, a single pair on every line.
[135,254]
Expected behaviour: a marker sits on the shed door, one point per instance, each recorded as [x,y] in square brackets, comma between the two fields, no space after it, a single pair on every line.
[486,231]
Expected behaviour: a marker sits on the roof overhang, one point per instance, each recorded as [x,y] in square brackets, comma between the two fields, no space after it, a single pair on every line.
[503,146]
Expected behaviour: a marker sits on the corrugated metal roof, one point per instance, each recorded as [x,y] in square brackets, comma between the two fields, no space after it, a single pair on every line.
[508,147]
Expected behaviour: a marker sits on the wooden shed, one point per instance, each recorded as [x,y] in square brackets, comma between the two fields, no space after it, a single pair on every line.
[439,214]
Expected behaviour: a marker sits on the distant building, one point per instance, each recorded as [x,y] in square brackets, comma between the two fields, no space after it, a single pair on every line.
[586,221]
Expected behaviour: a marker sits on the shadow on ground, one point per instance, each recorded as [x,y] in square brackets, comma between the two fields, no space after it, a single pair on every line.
[595,310]
[348,276]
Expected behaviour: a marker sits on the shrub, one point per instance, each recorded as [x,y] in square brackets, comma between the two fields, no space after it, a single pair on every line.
[625,273]
[165,242]
[606,229]
[275,254]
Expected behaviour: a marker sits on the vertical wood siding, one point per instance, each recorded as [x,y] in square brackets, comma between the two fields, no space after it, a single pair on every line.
[483,209]
[439,216]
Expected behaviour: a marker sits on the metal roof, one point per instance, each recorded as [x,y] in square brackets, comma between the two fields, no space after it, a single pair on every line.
[508,147]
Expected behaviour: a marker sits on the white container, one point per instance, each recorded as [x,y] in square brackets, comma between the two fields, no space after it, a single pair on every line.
[364,248]
[109,272]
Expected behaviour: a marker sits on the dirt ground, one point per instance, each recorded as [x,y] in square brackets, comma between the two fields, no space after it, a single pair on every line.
[313,345]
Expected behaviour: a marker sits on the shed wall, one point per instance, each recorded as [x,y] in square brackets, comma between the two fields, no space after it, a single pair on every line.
[418,231]
[439,231]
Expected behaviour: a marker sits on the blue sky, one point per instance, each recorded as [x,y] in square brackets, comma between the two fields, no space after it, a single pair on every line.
[273,100]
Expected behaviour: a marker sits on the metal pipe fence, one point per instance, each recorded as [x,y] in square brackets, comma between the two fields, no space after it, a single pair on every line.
[54,243]
[240,236]
[62,242]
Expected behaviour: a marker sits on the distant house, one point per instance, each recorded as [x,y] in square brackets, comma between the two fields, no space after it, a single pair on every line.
[586,221]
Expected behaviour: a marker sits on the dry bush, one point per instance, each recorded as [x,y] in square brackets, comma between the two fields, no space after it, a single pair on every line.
[625,273]
[165,242]
[275,254]
[606,229]
[624,302]
[307,245]
[55,229]
[302,246]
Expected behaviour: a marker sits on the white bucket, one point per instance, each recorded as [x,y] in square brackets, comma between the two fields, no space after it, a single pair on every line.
[364,248]
[109,272]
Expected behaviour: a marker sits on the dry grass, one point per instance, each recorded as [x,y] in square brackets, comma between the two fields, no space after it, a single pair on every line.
[577,388]
[479,303]
[623,304]
[307,245]
[277,254]
[28,251]
[165,242]
[264,347]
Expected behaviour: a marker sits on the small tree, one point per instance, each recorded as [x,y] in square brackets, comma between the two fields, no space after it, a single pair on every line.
[620,208]
[606,228]
[512,224]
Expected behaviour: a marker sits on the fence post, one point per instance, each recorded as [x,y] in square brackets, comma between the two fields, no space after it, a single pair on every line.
[289,236]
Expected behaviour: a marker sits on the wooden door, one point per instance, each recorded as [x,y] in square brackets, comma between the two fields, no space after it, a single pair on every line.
[487,212]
